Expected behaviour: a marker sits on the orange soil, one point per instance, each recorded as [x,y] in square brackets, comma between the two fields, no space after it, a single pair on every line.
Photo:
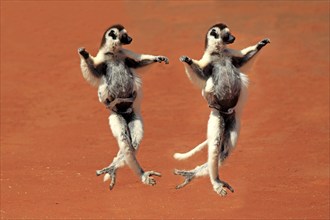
[55,134]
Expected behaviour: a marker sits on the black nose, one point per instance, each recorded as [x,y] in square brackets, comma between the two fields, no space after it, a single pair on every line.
[125,39]
[230,39]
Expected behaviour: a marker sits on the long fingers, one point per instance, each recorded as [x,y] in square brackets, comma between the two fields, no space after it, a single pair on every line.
[113,181]
[147,177]
[225,184]
[188,175]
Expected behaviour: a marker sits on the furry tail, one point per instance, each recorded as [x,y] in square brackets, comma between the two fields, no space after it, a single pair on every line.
[188,154]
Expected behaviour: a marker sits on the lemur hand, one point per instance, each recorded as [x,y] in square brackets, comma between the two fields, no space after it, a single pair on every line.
[159,59]
[83,52]
[186,59]
[263,43]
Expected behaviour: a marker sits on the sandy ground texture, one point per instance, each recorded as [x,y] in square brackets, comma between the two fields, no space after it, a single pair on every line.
[55,133]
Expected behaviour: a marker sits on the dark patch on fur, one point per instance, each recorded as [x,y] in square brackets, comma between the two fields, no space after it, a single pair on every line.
[122,108]
[113,35]
[208,69]
[131,63]
[125,39]
[225,37]
[127,116]
[240,61]
[118,26]
[214,34]
[215,54]
[220,25]
[199,71]
[101,69]
[230,124]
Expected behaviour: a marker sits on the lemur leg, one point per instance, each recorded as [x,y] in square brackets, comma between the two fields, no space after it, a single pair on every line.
[135,127]
[240,58]
[120,130]
[230,137]
[215,133]
[136,134]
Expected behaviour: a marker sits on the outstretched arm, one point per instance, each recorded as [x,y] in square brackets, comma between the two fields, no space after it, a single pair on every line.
[134,60]
[91,72]
[240,58]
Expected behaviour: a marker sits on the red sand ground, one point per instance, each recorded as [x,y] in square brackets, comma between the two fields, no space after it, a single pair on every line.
[55,134]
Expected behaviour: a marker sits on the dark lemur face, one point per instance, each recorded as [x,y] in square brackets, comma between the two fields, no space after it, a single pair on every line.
[125,39]
[219,34]
[115,35]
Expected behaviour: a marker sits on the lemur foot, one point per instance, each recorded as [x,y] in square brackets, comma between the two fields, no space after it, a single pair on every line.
[83,52]
[110,172]
[188,175]
[147,179]
[219,187]
[263,43]
[160,59]
[186,59]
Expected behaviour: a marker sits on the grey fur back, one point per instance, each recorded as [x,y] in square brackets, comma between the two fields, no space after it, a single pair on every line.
[120,81]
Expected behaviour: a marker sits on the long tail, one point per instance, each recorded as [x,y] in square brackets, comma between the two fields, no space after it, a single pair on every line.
[188,154]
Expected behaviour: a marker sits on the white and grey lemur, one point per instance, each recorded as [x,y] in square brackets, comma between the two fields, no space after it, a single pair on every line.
[119,88]
[224,87]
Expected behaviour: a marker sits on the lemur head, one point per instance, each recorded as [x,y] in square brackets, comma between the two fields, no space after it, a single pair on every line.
[218,36]
[114,37]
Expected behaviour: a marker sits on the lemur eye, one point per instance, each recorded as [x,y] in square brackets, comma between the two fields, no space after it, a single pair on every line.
[112,34]
[214,34]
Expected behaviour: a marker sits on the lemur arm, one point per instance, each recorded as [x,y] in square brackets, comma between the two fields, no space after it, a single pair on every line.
[91,72]
[201,72]
[134,60]
[240,58]
[197,71]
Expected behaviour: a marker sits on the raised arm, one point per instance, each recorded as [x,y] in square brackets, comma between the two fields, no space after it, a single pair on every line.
[91,70]
[240,58]
[198,71]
